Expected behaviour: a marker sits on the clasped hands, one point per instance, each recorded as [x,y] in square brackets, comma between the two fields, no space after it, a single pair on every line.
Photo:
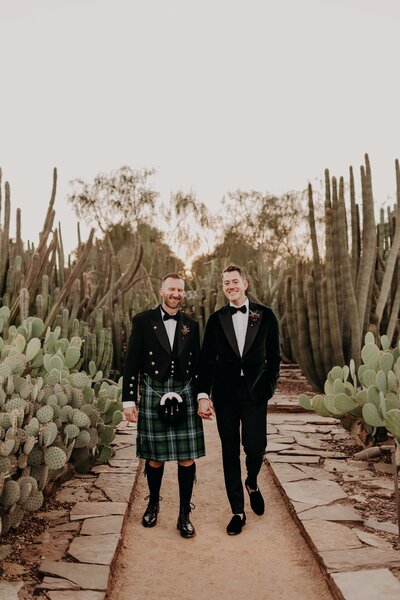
[131,414]
[205,409]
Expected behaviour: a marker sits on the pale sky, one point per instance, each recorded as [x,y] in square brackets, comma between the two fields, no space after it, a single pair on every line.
[214,94]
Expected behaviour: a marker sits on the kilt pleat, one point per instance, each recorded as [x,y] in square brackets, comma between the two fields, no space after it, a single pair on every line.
[158,441]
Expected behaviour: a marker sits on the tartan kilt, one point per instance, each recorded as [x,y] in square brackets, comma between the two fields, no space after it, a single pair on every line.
[158,441]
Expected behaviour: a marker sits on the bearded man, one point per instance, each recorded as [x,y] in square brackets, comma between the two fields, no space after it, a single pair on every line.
[158,386]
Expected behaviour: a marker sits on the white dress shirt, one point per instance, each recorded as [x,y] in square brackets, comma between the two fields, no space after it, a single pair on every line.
[240,321]
[170,326]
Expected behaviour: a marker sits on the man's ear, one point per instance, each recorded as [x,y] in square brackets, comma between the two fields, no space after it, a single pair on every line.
[246,284]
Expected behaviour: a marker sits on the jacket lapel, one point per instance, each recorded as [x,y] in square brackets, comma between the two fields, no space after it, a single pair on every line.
[182,331]
[252,328]
[225,318]
[159,329]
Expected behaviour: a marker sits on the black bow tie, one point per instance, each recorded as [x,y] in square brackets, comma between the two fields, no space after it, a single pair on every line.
[168,316]
[233,309]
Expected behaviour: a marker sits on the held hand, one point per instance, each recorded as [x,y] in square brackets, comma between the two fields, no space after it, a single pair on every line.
[205,409]
[131,413]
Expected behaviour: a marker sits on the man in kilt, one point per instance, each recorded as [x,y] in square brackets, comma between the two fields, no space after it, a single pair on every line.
[162,358]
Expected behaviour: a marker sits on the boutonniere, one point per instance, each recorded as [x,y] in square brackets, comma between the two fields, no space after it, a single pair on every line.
[185,329]
[254,317]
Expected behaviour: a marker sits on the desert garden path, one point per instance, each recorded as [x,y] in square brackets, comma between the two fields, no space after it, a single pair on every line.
[269,560]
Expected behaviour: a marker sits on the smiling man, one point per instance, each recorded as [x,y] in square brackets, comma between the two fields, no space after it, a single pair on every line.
[239,367]
[158,392]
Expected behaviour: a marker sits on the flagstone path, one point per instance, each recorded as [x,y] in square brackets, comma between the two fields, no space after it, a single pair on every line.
[268,560]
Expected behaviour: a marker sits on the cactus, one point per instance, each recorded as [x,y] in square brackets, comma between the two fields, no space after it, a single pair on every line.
[367,410]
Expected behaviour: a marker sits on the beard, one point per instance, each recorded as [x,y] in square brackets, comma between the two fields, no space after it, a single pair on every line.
[172,303]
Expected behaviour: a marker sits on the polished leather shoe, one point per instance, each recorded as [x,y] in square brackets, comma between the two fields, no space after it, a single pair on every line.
[236,524]
[256,501]
[149,518]
[184,524]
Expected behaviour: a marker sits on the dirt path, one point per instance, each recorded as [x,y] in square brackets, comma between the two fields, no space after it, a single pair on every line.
[269,560]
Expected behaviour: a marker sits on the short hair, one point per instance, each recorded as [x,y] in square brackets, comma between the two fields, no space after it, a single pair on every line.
[173,276]
[233,267]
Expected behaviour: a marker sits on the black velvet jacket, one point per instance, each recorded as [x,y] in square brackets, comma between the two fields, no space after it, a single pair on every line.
[220,362]
[149,350]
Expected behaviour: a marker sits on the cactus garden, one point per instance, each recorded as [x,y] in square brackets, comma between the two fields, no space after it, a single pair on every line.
[65,322]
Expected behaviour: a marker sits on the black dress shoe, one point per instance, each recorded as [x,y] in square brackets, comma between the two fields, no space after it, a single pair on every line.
[149,518]
[236,524]
[184,524]
[256,501]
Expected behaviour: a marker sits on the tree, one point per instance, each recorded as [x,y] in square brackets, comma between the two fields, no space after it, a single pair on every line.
[124,196]
[276,223]
[189,224]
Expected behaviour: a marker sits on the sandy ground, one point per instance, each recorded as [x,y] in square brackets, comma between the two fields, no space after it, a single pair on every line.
[269,560]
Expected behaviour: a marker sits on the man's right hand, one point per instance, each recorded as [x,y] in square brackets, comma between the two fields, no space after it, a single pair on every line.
[131,414]
[205,409]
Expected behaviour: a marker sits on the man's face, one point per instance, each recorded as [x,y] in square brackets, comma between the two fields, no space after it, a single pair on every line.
[234,287]
[172,292]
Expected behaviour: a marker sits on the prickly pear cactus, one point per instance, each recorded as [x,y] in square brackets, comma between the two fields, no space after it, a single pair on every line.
[52,417]
[367,404]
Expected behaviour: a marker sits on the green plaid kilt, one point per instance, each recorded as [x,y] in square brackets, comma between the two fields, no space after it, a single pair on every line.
[158,441]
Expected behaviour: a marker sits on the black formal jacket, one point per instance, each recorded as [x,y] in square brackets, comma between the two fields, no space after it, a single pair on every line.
[220,362]
[149,350]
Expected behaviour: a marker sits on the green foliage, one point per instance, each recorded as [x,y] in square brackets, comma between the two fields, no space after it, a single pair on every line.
[44,432]
[368,403]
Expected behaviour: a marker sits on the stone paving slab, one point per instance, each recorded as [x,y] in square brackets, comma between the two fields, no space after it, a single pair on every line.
[285,472]
[82,595]
[334,512]
[360,558]
[281,439]
[358,476]
[84,510]
[102,525]
[305,460]
[94,549]
[314,492]
[316,473]
[117,488]
[56,583]
[9,589]
[368,585]
[114,470]
[327,535]
[88,577]
[371,539]
[349,466]
[300,507]
[275,447]
[382,526]
[127,453]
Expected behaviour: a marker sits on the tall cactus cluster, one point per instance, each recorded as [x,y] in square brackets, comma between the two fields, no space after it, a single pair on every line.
[330,304]
[367,399]
[50,414]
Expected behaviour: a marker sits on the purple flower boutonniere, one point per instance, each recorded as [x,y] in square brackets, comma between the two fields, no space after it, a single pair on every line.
[254,317]
[185,329]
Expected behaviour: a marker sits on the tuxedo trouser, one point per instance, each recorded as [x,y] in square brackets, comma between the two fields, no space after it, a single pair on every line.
[236,411]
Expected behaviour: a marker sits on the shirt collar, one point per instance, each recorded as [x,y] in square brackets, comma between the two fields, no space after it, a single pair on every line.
[163,312]
[245,303]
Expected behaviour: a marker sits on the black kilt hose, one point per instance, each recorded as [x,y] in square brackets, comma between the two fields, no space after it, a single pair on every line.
[158,441]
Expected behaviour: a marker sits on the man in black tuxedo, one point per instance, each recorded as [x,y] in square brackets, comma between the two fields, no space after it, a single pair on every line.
[239,366]
[162,357]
